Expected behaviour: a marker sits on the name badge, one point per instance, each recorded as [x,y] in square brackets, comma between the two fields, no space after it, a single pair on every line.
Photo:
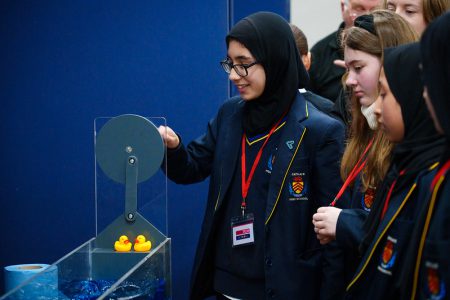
[242,230]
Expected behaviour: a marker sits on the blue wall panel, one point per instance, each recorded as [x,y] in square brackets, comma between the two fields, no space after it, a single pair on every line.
[242,8]
[65,63]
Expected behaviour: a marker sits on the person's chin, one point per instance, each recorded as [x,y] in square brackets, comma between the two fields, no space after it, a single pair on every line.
[247,97]
[364,101]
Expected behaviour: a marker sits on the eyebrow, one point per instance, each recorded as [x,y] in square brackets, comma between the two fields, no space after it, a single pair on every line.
[352,62]
[242,57]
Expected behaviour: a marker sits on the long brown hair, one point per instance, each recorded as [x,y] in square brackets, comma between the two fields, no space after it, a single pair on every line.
[391,30]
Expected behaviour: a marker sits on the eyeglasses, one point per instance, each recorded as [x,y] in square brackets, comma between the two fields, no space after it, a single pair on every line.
[240,69]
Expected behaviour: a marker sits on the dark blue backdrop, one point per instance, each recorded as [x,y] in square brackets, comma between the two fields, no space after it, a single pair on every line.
[64,63]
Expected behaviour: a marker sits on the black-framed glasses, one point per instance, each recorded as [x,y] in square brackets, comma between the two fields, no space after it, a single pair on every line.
[240,69]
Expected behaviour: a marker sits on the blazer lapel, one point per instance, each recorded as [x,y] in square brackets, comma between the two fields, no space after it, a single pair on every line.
[394,209]
[290,142]
[230,153]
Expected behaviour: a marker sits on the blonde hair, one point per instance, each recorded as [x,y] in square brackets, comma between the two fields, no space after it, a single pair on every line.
[391,30]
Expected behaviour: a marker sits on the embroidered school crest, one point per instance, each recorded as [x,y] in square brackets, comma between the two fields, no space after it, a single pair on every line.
[297,184]
[434,286]
[388,256]
[367,199]
[297,187]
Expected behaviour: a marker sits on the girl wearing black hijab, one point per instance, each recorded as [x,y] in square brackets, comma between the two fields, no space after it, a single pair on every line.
[402,196]
[271,159]
[431,279]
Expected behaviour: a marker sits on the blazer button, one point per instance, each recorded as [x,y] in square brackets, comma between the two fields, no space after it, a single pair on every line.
[270,293]
[268,261]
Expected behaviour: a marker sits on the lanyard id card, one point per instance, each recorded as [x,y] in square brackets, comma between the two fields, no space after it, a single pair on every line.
[242,230]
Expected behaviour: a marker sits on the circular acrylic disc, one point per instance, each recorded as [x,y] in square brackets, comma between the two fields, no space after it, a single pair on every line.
[125,136]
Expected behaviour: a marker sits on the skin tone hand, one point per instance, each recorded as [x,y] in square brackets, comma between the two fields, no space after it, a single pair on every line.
[339,63]
[325,221]
[169,137]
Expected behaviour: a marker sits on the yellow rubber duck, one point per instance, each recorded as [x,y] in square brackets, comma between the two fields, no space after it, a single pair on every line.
[140,245]
[123,244]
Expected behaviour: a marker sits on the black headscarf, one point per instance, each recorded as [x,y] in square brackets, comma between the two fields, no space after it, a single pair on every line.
[418,148]
[270,40]
[435,46]
[421,145]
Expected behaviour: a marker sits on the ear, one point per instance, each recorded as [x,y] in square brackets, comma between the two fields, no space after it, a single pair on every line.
[306,59]
[342,6]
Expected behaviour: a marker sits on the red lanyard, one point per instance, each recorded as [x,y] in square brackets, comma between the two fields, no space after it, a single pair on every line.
[388,197]
[356,170]
[246,182]
[440,173]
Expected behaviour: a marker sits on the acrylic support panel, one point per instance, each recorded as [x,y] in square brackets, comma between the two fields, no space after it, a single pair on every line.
[131,199]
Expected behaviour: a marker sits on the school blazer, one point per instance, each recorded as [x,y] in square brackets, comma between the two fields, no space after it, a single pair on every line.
[310,147]
[433,278]
[378,272]
[349,234]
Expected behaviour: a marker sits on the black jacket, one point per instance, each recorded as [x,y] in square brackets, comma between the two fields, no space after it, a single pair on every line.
[325,77]
[311,145]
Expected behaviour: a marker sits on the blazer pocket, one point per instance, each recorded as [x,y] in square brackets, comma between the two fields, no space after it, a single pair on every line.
[298,183]
[393,246]
[434,281]
[310,272]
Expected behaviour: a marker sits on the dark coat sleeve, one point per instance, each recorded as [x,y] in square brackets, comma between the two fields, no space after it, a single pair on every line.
[349,232]
[328,182]
[328,153]
[341,257]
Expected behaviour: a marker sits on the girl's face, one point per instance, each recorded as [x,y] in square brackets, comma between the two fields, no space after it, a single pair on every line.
[411,11]
[251,86]
[389,112]
[363,72]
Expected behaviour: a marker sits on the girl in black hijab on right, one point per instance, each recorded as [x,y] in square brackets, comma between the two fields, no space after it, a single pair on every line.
[431,262]
[403,117]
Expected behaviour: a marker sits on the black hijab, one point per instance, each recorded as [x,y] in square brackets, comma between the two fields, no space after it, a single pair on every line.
[435,46]
[421,145]
[270,40]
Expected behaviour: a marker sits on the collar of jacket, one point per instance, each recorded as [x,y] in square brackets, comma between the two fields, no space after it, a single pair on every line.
[293,131]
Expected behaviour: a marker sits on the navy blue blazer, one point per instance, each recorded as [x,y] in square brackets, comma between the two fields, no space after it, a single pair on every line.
[323,104]
[433,278]
[349,234]
[311,145]
[377,275]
